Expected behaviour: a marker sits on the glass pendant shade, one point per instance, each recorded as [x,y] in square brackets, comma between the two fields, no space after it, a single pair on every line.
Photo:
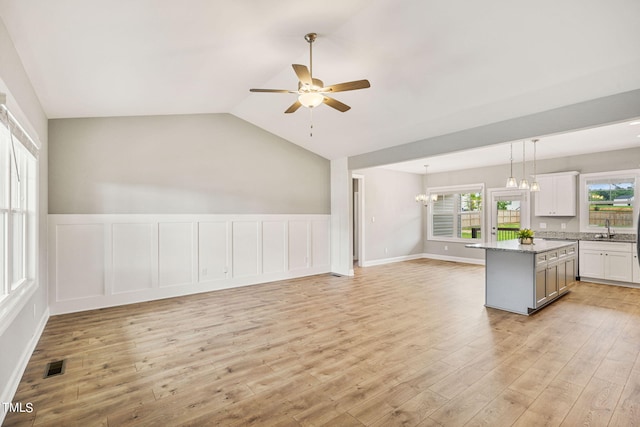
[311,99]
[524,184]
[511,181]
[535,186]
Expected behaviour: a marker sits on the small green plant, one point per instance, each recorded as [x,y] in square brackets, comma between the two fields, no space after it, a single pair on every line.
[525,233]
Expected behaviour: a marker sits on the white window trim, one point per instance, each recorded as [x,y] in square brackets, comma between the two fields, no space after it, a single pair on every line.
[451,190]
[584,200]
[15,296]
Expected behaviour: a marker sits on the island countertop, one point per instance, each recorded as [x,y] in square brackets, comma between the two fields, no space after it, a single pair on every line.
[539,245]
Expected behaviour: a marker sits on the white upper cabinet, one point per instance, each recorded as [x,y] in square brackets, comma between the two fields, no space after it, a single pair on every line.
[557,195]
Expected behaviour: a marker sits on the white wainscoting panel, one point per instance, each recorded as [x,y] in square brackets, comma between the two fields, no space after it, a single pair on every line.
[298,245]
[133,257]
[80,260]
[274,246]
[213,250]
[245,248]
[175,253]
[320,248]
[105,260]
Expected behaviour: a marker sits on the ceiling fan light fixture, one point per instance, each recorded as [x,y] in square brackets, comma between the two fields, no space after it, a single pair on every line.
[311,99]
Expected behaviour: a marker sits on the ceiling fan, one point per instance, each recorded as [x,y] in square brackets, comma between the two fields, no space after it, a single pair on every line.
[312,92]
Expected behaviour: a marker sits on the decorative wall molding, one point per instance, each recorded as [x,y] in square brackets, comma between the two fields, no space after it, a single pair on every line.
[98,261]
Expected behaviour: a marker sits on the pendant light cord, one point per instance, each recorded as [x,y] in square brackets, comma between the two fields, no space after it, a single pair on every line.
[511,160]
[523,158]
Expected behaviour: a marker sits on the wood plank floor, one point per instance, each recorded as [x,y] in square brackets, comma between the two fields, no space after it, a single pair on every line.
[401,344]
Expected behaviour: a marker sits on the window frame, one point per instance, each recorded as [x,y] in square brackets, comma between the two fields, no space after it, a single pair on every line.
[456,189]
[584,199]
[14,295]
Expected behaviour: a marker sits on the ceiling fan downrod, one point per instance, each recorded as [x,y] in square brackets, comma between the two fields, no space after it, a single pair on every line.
[310,38]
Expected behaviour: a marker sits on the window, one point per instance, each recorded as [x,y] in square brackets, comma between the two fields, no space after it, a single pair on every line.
[456,213]
[608,198]
[17,209]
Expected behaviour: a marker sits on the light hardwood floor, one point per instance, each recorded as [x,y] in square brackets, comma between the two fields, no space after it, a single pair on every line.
[401,344]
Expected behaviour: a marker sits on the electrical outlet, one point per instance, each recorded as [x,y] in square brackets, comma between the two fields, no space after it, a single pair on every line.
[563,225]
[446,248]
[373,219]
[543,225]
[386,250]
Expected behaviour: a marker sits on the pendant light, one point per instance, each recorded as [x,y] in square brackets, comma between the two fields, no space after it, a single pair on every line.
[423,197]
[524,184]
[534,185]
[511,182]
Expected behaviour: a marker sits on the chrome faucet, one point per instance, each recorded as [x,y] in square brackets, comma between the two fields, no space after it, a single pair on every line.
[608,225]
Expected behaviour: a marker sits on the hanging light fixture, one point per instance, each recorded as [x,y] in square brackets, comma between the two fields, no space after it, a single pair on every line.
[424,198]
[511,182]
[534,185]
[524,184]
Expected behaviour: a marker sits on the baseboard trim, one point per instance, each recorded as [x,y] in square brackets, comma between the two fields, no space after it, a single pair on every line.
[610,282]
[391,260]
[158,293]
[454,259]
[10,389]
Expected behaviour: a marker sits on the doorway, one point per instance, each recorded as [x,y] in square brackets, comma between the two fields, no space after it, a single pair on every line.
[509,213]
[358,219]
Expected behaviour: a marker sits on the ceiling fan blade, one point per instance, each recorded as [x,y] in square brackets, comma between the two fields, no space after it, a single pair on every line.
[334,103]
[273,90]
[342,87]
[303,74]
[293,107]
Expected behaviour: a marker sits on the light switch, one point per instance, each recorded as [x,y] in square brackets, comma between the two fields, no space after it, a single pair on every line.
[543,225]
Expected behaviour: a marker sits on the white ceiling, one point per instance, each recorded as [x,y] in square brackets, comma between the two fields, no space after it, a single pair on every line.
[435,66]
[605,138]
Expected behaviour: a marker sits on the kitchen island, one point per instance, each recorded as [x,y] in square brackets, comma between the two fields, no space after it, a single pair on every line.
[524,278]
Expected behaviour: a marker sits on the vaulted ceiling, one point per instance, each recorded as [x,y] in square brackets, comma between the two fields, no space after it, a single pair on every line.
[435,66]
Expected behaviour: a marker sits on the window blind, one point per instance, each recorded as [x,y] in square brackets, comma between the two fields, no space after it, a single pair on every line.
[19,134]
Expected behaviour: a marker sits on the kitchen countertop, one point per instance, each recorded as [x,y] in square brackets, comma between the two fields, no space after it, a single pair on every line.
[539,245]
[562,235]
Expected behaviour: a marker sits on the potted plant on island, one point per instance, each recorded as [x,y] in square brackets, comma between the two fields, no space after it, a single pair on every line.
[525,236]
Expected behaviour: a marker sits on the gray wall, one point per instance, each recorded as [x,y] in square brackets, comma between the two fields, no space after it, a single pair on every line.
[495,177]
[205,163]
[389,198]
[23,102]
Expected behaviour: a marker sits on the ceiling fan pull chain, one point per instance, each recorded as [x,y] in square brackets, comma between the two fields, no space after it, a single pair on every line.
[311,130]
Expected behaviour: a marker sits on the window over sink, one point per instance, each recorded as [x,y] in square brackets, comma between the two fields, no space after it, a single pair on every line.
[607,199]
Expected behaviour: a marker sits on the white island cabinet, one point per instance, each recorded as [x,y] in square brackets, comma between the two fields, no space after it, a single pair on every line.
[524,278]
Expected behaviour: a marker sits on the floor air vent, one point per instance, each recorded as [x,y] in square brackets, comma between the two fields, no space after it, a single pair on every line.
[54,368]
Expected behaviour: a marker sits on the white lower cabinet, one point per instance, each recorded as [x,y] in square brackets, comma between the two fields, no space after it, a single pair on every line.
[635,268]
[607,260]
